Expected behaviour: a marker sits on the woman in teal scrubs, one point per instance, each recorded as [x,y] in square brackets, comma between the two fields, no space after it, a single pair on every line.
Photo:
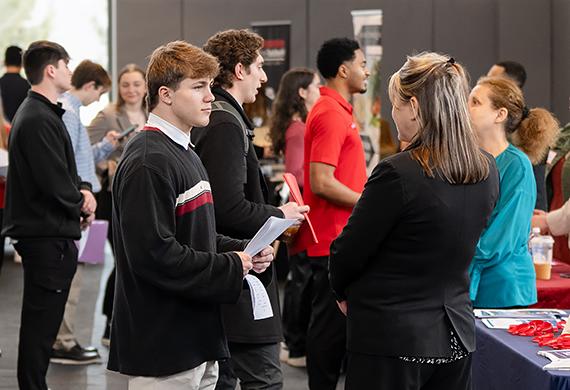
[502,273]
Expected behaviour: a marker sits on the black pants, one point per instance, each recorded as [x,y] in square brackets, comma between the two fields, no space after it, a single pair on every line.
[366,372]
[256,365]
[2,239]
[105,212]
[297,305]
[49,266]
[326,337]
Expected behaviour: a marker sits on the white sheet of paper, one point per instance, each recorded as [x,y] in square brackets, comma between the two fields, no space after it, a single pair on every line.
[271,229]
[259,298]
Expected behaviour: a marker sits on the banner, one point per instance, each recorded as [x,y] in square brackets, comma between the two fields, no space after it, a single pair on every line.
[275,51]
[368,32]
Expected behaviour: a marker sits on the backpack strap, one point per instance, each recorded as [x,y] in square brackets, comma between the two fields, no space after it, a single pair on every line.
[227,107]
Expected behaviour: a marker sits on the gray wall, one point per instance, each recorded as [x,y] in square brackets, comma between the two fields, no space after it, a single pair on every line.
[476,32]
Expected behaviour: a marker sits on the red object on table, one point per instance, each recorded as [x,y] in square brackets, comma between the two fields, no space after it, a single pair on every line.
[554,293]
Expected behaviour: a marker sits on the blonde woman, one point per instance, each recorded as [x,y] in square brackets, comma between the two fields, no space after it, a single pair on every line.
[502,273]
[399,268]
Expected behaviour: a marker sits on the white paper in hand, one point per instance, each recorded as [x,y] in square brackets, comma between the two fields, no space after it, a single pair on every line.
[82,242]
[259,298]
[271,229]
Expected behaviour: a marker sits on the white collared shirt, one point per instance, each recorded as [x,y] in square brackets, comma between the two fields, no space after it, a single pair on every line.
[171,131]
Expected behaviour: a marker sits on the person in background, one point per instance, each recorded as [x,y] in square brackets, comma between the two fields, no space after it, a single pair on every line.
[4,129]
[511,69]
[399,266]
[335,173]
[13,87]
[46,205]
[298,91]
[536,144]
[88,82]
[130,109]
[502,274]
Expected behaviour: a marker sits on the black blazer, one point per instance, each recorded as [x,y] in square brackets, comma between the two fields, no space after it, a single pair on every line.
[401,261]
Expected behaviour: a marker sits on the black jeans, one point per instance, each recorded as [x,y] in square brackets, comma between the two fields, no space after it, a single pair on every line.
[326,337]
[297,305]
[49,266]
[256,365]
[379,372]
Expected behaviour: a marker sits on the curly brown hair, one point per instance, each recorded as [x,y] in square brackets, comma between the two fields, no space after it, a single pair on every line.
[231,47]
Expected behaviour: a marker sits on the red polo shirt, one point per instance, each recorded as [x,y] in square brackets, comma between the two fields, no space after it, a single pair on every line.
[331,137]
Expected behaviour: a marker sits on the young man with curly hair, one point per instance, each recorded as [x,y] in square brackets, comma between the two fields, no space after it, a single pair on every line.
[225,147]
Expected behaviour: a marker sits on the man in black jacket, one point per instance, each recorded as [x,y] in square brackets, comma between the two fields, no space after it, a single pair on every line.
[240,195]
[46,202]
[172,276]
[13,87]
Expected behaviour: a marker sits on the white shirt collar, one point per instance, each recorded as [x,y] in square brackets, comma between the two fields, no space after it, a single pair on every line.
[171,131]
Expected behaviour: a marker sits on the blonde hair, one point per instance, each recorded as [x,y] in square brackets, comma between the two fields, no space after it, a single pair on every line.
[534,130]
[445,142]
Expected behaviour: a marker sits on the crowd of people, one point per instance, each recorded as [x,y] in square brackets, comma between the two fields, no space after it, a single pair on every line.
[386,278]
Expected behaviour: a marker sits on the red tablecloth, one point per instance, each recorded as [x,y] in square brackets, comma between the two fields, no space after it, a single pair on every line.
[554,293]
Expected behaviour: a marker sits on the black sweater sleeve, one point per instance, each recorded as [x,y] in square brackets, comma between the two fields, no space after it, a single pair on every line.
[374,216]
[222,153]
[146,207]
[46,155]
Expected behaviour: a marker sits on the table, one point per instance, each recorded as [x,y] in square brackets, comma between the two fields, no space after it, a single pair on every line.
[554,293]
[506,362]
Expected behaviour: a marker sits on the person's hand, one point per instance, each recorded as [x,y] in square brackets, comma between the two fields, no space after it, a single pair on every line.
[263,259]
[539,220]
[246,262]
[113,137]
[86,221]
[539,212]
[342,305]
[89,203]
[292,210]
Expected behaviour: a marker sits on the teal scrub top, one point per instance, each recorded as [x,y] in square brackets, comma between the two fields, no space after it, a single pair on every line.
[502,272]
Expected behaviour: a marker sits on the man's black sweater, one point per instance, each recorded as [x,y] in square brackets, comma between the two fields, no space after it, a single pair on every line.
[43,198]
[170,278]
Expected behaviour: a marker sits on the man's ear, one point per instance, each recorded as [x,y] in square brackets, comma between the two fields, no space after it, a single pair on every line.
[89,85]
[165,95]
[49,71]
[239,71]
[342,71]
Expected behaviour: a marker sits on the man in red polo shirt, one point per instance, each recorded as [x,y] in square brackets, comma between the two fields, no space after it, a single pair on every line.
[335,173]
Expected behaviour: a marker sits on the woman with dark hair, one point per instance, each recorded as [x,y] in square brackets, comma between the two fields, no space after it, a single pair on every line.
[502,273]
[130,109]
[298,91]
[399,268]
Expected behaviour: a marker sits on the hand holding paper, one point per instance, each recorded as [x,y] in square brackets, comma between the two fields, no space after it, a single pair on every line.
[263,259]
[271,229]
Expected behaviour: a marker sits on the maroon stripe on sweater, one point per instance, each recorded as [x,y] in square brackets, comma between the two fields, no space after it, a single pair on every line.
[193,204]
